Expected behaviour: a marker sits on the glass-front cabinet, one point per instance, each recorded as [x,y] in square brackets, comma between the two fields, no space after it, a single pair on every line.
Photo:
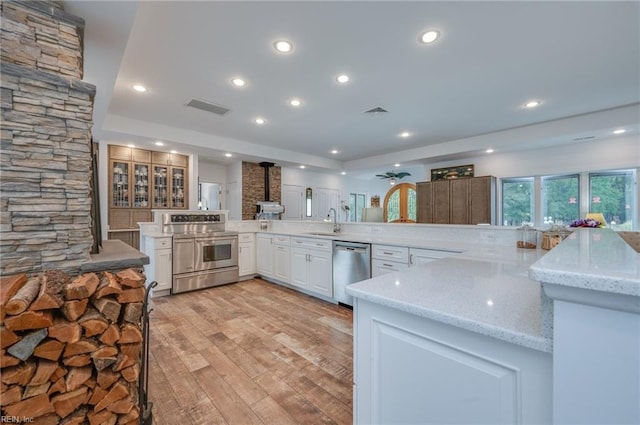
[120,183]
[140,180]
[141,185]
[169,187]
[160,186]
[178,187]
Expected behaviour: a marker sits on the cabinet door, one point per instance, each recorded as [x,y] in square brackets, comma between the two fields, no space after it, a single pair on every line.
[178,187]
[264,256]
[179,160]
[482,199]
[140,185]
[424,202]
[141,155]
[160,186]
[292,196]
[161,158]
[299,268]
[441,197]
[459,192]
[246,258]
[120,152]
[281,263]
[423,256]
[163,275]
[321,272]
[120,182]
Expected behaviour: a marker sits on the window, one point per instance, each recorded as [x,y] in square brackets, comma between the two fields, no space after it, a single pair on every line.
[400,204]
[517,201]
[560,199]
[356,204]
[613,195]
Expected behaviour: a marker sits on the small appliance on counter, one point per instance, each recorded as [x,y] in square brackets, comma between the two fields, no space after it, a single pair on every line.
[269,211]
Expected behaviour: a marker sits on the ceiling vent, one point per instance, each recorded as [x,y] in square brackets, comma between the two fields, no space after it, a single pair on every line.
[208,107]
[376,110]
[579,139]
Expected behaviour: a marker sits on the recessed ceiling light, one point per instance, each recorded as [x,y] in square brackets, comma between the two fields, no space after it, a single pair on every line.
[259,121]
[404,134]
[429,36]
[228,155]
[283,46]
[489,150]
[620,131]
[139,88]
[334,151]
[396,165]
[173,151]
[532,104]
[159,143]
[295,102]
[131,145]
[344,173]
[238,82]
[343,78]
[302,166]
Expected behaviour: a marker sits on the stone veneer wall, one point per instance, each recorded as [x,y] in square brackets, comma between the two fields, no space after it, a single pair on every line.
[253,187]
[45,177]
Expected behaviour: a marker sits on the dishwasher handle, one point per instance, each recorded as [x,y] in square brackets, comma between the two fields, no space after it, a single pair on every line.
[350,249]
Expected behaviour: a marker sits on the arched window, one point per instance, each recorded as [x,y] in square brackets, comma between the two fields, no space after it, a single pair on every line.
[400,204]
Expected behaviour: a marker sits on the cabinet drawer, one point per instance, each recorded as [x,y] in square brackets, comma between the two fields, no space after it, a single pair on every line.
[380,267]
[312,243]
[163,243]
[281,240]
[247,237]
[390,252]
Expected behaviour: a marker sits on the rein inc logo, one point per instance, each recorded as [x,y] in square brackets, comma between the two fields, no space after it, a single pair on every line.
[5,419]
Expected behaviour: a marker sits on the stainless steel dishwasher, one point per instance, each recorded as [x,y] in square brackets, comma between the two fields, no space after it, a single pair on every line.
[351,263]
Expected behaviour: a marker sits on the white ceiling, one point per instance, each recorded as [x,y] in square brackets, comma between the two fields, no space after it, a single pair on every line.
[453,96]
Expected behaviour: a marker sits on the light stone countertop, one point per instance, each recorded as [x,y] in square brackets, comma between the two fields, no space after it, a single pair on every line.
[595,259]
[492,298]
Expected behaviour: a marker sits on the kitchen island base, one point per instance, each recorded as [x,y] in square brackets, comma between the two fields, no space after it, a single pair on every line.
[410,369]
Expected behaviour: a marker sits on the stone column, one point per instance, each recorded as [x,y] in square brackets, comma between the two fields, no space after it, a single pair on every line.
[45,158]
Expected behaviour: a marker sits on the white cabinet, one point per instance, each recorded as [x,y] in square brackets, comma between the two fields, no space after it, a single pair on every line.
[246,254]
[264,255]
[272,256]
[311,265]
[281,260]
[388,258]
[409,369]
[418,256]
[158,249]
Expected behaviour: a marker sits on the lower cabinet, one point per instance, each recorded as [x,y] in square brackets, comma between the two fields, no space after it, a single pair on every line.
[311,265]
[388,258]
[264,255]
[246,255]
[281,261]
[410,369]
[418,256]
[159,251]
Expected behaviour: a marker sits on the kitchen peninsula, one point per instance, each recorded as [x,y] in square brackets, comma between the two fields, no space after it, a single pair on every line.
[471,340]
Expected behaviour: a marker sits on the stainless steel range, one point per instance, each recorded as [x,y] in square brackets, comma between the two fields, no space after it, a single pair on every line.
[204,254]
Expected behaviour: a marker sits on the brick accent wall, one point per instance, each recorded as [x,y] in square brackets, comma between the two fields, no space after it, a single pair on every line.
[45,156]
[253,187]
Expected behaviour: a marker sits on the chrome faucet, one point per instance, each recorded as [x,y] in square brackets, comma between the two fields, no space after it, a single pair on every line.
[336,226]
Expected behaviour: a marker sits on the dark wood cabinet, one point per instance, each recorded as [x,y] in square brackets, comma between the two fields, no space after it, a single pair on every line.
[457,201]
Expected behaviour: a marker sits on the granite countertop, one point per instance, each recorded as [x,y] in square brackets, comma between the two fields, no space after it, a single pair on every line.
[492,298]
[115,255]
[595,259]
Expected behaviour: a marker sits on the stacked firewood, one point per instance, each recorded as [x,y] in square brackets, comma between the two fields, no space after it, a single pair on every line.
[71,347]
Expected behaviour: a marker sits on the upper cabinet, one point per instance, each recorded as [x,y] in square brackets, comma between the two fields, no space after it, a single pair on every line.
[457,201]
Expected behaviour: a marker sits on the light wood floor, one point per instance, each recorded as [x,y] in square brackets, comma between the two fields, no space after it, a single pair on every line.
[250,353]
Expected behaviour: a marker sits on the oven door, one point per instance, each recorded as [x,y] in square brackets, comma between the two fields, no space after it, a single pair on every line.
[216,252]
